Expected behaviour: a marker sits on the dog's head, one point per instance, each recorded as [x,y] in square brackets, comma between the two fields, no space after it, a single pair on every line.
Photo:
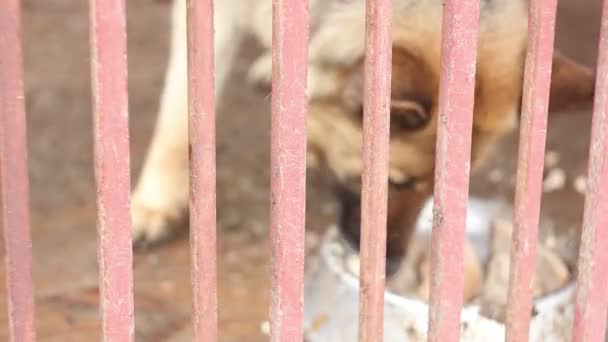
[336,93]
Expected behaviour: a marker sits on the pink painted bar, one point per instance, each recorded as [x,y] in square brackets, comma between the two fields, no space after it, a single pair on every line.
[533,132]
[374,189]
[202,168]
[591,304]
[456,97]
[288,168]
[109,70]
[14,186]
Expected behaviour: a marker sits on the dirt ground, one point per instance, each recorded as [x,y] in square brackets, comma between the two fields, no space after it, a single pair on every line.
[62,187]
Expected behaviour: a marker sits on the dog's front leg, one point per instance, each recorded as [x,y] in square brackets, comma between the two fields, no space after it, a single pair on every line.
[161,196]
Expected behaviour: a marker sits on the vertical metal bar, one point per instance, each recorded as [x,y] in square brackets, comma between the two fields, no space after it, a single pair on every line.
[202,168]
[592,294]
[533,132]
[452,167]
[288,167]
[374,189]
[109,69]
[14,186]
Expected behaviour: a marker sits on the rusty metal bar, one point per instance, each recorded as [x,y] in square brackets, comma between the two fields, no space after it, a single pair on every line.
[452,167]
[374,187]
[592,294]
[14,186]
[109,71]
[288,167]
[202,168]
[533,132]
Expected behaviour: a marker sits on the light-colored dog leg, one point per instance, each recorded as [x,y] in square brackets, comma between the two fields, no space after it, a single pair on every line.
[160,199]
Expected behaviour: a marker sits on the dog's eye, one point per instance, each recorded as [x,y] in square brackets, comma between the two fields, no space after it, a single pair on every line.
[408,115]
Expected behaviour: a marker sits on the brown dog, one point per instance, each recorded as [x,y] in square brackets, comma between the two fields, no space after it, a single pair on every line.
[335,95]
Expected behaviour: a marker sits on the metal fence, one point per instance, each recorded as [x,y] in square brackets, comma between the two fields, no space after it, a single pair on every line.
[289,108]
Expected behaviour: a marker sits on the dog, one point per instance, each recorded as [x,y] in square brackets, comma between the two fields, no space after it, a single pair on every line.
[335,86]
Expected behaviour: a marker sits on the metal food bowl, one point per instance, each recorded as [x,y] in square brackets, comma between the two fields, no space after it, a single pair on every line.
[332,296]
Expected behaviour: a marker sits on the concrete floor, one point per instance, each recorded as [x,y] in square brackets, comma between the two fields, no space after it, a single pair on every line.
[61,173]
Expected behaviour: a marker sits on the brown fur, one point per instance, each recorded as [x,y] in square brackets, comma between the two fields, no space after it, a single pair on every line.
[335,122]
[335,107]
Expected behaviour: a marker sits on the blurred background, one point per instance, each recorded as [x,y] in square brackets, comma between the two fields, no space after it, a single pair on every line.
[58,96]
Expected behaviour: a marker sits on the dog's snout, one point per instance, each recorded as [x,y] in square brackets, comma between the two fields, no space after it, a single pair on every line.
[349,216]
[404,205]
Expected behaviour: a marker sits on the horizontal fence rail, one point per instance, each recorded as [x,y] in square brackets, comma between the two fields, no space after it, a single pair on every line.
[591,305]
[452,166]
[288,172]
[201,102]
[533,131]
[111,137]
[288,168]
[374,181]
[14,186]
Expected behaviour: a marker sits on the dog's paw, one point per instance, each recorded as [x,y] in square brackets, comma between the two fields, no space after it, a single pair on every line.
[151,226]
[260,73]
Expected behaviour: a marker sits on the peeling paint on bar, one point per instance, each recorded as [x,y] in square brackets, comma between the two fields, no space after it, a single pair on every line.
[456,96]
[533,132]
[109,75]
[203,239]
[288,168]
[14,184]
[591,304]
[374,187]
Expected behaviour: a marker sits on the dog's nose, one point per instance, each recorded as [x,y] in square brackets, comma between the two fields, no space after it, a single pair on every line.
[349,215]
[349,222]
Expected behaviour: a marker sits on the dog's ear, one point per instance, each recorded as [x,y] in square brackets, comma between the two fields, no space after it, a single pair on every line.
[572,85]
